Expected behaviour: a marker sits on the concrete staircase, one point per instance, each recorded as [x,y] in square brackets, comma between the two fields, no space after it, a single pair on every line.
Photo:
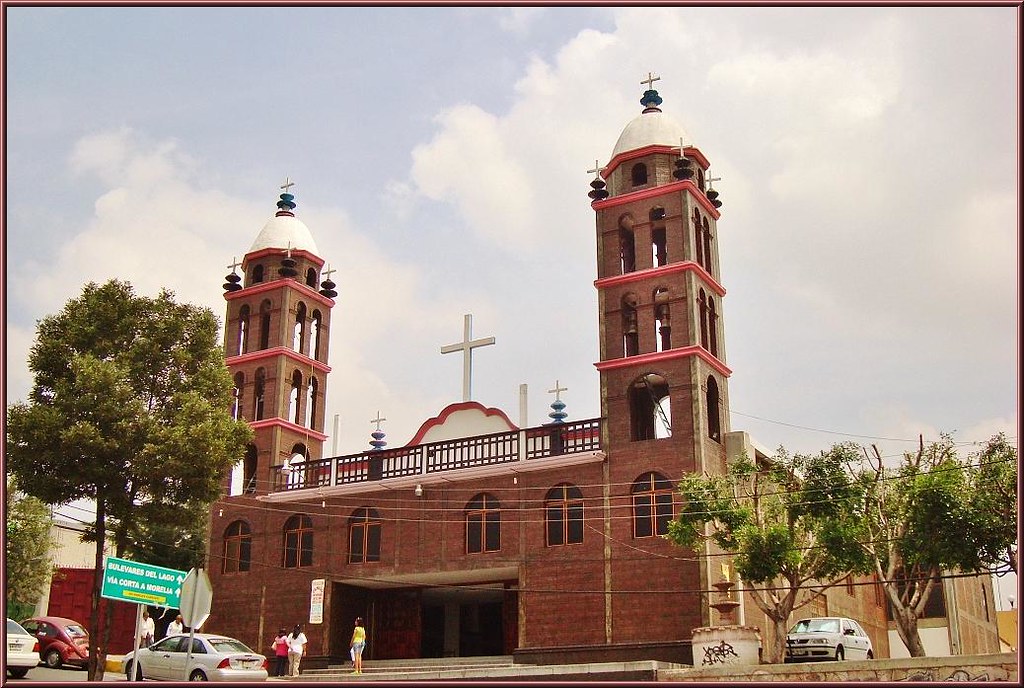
[495,668]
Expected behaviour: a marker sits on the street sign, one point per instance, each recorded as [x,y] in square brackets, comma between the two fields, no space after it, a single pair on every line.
[196,598]
[131,581]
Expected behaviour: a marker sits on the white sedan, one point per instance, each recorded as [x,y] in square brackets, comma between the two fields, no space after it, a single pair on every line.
[214,658]
[22,650]
[827,637]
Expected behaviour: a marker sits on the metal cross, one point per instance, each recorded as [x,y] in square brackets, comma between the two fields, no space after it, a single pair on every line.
[466,346]
[234,263]
[329,271]
[557,391]
[597,168]
[709,180]
[288,183]
[378,420]
[650,80]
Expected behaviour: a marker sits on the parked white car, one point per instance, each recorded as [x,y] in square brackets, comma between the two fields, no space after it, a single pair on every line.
[214,658]
[22,650]
[827,637]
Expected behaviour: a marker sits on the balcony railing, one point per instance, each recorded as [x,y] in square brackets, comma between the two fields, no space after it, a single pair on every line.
[528,444]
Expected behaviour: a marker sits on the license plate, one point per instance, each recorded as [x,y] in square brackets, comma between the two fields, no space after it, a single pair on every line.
[13,647]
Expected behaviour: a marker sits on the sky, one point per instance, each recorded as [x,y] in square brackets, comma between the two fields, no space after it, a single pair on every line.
[868,159]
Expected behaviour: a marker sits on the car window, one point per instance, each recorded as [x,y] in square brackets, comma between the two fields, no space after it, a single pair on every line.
[30,626]
[197,646]
[48,629]
[167,644]
[858,629]
[226,645]
[14,627]
[76,631]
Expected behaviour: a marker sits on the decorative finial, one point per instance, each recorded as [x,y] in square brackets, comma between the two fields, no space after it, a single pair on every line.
[598,191]
[287,203]
[650,100]
[558,413]
[231,280]
[378,442]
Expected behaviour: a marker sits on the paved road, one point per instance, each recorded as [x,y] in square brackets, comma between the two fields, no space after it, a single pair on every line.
[46,675]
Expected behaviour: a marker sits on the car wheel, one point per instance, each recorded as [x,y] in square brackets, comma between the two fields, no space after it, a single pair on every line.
[52,659]
[839,654]
[871,655]
[128,672]
[18,672]
[197,675]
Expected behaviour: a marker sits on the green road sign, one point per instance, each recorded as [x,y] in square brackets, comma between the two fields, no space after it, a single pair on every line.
[131,581]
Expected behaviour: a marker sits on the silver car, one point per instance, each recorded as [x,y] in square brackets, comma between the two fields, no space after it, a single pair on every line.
[22,650]
[214,658]
[827,637]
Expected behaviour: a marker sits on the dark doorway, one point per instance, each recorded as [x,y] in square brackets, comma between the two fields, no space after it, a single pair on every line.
[433,630]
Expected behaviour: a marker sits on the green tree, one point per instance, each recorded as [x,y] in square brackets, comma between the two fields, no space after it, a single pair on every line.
[994,503]
[792,523]
[925,517]
[28,546]
[130,408]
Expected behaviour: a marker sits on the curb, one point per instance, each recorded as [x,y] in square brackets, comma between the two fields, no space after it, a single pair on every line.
[115,664]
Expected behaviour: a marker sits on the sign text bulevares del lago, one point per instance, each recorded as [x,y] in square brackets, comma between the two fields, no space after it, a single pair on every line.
[131,581]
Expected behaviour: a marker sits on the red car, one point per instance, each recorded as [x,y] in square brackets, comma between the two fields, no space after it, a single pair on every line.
[61,641]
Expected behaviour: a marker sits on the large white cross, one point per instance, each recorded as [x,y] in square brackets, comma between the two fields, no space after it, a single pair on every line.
[288,184]
[557,391]
[466,346]
[378,420]
[650,80]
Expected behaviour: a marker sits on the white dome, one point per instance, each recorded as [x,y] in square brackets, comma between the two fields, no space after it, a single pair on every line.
[282,231]
[650,128]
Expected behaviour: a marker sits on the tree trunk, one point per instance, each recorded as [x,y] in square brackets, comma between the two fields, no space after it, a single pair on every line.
[775,652]
[97,663]
[906,626]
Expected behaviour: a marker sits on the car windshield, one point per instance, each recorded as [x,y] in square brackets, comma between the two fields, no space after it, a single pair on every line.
[817,626]
[76,631]
[14,627]
[228,645]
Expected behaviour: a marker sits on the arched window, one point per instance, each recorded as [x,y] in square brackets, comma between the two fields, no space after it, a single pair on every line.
[258,390]
[311,278]
[630,334]
[299,332]
[639,174]
[249,470]
[265,325]
[237,547]
[563,514]
[295,468]
[483,524]
[364,536]
[650,408]
[242,339]
[313,387]
[298,541]
[712,327]
[627,251]
[698,238]
[257,274]
[295,399]
[236,396]
[702,308]
[663,323]
[700,178]
[652,505]
[714,419]
[317,335]
[707,246]
[660,254]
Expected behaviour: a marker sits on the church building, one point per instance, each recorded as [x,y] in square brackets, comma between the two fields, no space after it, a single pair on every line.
[481,537]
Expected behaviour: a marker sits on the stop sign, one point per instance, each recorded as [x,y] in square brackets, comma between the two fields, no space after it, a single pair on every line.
[196,597]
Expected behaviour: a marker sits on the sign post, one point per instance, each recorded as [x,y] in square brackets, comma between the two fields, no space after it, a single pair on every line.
[196,599]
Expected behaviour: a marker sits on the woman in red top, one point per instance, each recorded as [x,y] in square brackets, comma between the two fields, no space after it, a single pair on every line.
[280,653]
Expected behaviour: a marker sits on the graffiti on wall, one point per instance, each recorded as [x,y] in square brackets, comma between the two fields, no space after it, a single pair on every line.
[718,654]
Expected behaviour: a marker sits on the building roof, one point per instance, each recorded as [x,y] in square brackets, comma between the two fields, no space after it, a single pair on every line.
[285,231]
[650,127]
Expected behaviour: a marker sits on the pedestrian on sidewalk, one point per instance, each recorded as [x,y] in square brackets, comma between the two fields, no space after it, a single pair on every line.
[280,646]
[147,631]
[296,648]
[357,644]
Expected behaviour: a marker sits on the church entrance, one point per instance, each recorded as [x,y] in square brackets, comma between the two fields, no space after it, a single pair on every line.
[437,621]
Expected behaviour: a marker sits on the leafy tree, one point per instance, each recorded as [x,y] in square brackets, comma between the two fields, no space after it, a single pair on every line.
[29,565]
[793,523]
[927,515]
[994,503]
[129,407]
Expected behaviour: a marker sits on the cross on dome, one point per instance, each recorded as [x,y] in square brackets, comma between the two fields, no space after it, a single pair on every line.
[557,391]
[378,420]
[466,346]
[597,168]
[234,264]
[329,271]
[712,179]
[650,80]
[288,183]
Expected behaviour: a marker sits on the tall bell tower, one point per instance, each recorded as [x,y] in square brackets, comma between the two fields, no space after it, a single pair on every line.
[276,337]
[664,378]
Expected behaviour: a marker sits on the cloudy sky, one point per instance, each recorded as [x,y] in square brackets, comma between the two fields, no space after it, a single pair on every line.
[868,161]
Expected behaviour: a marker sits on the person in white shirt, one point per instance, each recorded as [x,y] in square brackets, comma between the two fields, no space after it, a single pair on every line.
[177,626]
[147,631]
[296,648]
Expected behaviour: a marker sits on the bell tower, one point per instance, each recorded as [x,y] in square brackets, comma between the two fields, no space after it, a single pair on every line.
[277,331]
[664,378]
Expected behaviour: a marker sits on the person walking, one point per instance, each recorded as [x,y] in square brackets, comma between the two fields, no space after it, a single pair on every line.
[296,648]
[177,626]
[357,644]
[280,646]
[147,631]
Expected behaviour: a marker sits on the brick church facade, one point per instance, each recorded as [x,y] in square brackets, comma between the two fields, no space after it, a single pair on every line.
[480,537]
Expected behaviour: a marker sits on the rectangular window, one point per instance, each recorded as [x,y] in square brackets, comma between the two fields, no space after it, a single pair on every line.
[575,534]
[355,545]
[555,533]
[231,555]
[664,512]
[373,542]
[642,526]
[474,530]
[493,534]
[849,585]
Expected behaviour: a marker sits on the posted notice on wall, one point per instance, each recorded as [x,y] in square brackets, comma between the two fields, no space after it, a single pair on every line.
[316,601]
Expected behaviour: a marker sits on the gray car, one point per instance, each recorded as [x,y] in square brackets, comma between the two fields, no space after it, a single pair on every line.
[214,658]
[827,637]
